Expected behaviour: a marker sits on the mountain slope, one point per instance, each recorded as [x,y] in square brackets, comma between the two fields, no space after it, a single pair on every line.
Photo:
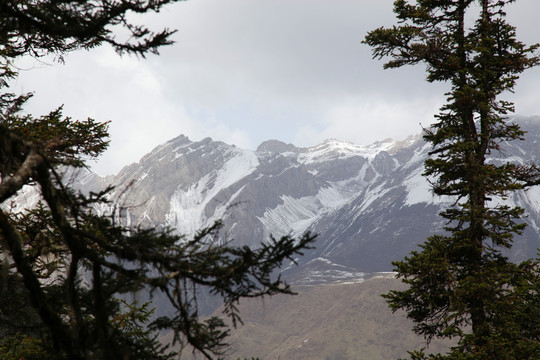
[370,205]
[331,321]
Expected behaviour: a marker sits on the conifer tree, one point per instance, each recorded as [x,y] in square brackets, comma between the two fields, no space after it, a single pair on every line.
[460,284]
[65,270]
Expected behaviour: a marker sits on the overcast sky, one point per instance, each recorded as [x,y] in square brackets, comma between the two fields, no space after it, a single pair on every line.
[244,71]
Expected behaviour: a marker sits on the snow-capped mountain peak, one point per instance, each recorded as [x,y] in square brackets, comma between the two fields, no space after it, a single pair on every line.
[369,204]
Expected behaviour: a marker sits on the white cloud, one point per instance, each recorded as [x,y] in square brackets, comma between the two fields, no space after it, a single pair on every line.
[365,120]
[244,71]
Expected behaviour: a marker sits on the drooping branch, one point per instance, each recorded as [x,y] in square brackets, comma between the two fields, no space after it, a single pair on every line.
[13,243]
[62,26]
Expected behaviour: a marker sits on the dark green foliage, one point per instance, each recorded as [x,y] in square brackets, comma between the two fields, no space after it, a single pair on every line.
[460,283]
[65,141]
[58,26]
[25,347]
[65,270]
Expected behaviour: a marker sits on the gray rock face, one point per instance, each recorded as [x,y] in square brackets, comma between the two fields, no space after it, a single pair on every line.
[276,146]
[370,205]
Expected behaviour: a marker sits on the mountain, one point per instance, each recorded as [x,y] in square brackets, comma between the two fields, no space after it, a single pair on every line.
[370,204]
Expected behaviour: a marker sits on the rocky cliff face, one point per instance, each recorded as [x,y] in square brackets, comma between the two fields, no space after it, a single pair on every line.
[370,205]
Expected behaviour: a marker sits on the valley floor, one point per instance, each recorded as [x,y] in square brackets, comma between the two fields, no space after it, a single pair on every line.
[327,322]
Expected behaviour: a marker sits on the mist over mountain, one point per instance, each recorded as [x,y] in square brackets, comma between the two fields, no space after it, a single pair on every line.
[369,204]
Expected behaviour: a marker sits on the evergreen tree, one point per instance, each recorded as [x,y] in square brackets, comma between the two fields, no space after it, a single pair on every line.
[460,284]
[65,269]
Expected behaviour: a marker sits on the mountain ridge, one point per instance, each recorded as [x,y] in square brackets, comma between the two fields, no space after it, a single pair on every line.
[369,204]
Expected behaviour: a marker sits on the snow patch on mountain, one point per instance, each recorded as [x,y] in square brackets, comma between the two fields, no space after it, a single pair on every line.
[295,216]
[418,189]
[530,199]
[187,206]
[27,198]
[336,149]
[331,197]
[291,217]
[531,196]
[372,195]
[419,156]
[222,208]
[321,270]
